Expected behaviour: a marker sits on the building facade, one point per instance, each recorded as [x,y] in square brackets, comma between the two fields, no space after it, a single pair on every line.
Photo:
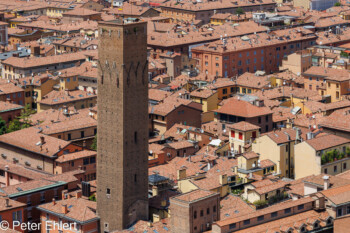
[122,125]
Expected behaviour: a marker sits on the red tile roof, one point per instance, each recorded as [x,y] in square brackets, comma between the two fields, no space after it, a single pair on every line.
[243,109]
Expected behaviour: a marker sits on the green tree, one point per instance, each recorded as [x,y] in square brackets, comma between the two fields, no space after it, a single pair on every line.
[14,126]
[21,122]
[2,126]
[260,203]
[239,11]
[94,143]
[337,4]
[25,116]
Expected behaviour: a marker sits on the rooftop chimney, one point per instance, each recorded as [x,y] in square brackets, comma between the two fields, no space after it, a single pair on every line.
[42,140]
[78,194]
[326,182]
[53,201]
[64,209]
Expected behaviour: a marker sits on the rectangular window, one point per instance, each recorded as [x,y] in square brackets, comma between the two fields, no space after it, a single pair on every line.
[274,214]
[246,222]
[82,134]
[254,134]
[287,211]
[259,120]
[340,212]
[86,161]
[233,133]
[261,218]
[300,207]
[240,136]
[214,208]
[335,168]
[202,213]
[233,225]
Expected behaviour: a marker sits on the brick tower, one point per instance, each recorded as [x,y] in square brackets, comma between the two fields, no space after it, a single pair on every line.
[122,135]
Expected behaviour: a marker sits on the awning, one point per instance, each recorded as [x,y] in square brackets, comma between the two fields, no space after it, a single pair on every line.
[329,60]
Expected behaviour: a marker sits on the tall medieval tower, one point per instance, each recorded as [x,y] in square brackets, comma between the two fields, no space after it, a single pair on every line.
[122,136]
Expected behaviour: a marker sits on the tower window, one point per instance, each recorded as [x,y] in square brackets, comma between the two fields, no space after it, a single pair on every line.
[135,178]
[108,191]
[102,79]
[135,137]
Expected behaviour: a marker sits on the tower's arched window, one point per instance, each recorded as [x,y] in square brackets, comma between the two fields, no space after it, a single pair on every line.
[135,137]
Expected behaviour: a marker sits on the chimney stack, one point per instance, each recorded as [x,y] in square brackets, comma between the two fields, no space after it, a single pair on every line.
[42,140]
[326,182]
[7,202]
[78,194]
[53,201]
[64,209]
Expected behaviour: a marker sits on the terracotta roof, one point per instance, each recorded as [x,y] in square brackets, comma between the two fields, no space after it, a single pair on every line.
[170,104]
[194,195]
[273,208]
[162,226]
[205,6]
[327,141]
[329,22]
[61,27]
[157,95]
[243,109]
[328,73]
[339,195]
[32,185]
[250,155]
[75,155]
[293,222]
[339,120]
[250,80]
[69,125]
[232,206]
[6,106]
[334,181]
[202,93]
[27,63]
[344,175]
[195,36]
[244,126]
[259,40]
[55,116]
[30,139]
[276,185]
[281,136]
[9,88]
[12,205]
[64,96]
[181,144]
[22,171]
[79,209]
[266,163]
